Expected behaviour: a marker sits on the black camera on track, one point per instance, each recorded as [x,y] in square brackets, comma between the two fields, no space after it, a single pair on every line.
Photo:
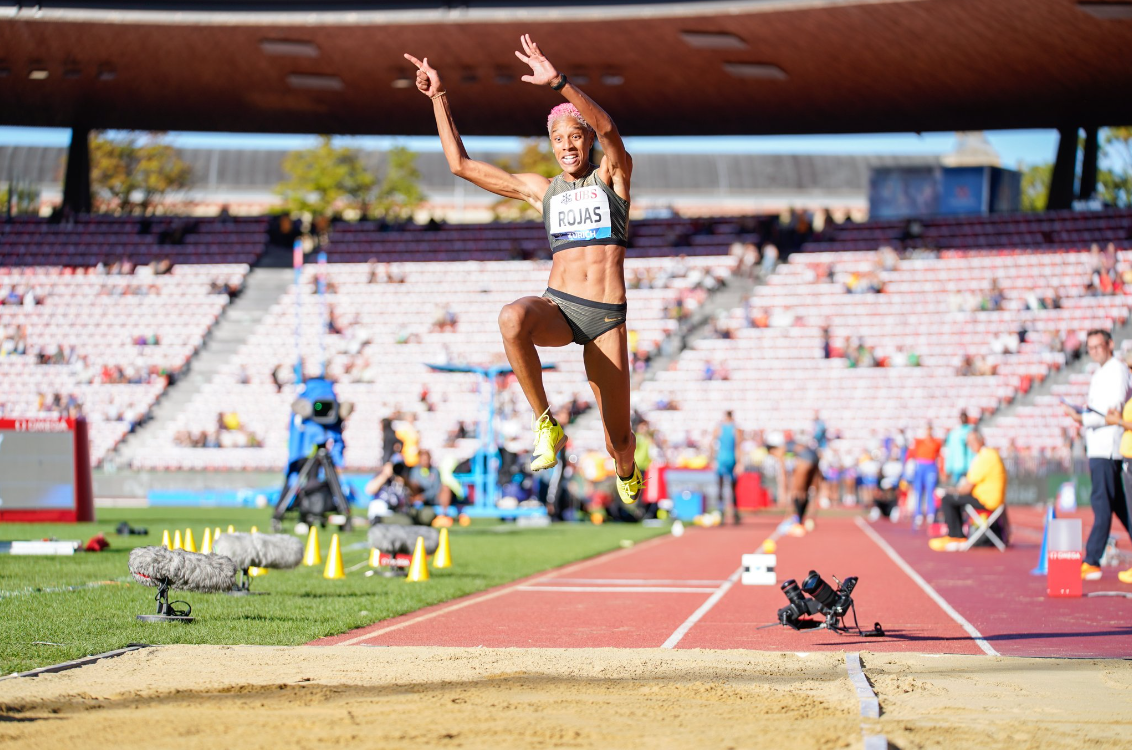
[833,604]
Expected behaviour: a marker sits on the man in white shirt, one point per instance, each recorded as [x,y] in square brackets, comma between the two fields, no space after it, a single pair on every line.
[1108,389]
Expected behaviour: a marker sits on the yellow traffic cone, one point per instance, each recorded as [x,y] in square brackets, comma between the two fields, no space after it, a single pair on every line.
[443,556]
[253,571]
[206,543]
[313,555]
[190,543]
[165,540]
[215,533]
[334,569]
[231,529]
[375,558]
[177,540]
[418,568]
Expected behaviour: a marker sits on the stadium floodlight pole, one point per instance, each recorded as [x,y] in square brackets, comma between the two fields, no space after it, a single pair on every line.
[297,260]
[322,313]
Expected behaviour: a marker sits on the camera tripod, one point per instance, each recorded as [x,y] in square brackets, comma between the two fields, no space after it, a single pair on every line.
[833,622]
[298,491]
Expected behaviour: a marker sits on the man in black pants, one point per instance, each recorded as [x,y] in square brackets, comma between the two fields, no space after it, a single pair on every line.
[984,488]
[1108,389]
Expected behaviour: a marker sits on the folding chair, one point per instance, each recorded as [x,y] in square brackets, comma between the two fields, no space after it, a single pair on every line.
[981,523]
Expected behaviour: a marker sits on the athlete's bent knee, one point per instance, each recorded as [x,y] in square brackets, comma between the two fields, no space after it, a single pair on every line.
[514,321]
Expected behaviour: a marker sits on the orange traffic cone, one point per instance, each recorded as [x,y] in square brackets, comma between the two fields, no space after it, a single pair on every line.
[206,543]
[165,540]
[418,568]
[334,569]
[313,555]
[375,558]
[443,556]
[177,540]
[190,543]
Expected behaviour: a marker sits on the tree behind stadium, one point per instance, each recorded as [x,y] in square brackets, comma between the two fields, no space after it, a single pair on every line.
[133,171]
[327,180]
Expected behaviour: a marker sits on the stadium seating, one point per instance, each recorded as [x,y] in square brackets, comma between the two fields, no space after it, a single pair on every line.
[95,331]
[105,239]
[778,376]
[651,238]
[1053,230]
[381,375]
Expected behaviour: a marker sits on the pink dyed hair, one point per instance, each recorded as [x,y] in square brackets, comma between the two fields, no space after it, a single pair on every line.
[566,109]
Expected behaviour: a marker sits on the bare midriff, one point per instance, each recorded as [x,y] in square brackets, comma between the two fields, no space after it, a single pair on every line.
[596,273]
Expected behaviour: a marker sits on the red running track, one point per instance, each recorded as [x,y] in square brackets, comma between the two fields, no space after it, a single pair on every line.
[681,593]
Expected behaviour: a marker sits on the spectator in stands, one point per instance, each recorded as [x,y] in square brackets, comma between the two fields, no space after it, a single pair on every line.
[957,455]
[983,488]
[770,259]
[1071,345]
[1109,389]
[925,452]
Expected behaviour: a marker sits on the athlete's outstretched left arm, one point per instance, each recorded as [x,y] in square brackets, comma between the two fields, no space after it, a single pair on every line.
[617,163]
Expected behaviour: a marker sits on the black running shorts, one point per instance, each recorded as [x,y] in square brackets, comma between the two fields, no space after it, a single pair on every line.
[587,319]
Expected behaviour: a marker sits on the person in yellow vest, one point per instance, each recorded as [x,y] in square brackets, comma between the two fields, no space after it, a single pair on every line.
[1124,420]
[984,488]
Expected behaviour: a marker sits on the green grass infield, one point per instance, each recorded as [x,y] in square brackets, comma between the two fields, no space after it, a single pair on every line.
[54,609]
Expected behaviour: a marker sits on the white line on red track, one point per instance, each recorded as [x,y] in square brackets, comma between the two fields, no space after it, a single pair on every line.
[620,589]
[927,587]
[642,581]
[703,610]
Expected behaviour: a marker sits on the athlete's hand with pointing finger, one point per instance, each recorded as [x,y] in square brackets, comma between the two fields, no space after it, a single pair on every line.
[542,72]
[428,80]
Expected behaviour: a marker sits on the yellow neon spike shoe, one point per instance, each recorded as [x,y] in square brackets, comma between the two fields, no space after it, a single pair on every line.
[549,439]
[630,489]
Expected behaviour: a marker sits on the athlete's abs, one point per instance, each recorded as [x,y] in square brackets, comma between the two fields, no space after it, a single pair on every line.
[587,226]
[595,273]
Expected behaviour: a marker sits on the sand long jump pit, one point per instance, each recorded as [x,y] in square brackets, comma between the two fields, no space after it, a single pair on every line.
[311,697]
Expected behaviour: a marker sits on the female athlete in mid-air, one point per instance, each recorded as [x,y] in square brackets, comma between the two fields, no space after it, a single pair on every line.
[586,213]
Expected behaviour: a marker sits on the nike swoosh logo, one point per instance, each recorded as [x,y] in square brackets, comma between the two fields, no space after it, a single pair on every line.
[612,320]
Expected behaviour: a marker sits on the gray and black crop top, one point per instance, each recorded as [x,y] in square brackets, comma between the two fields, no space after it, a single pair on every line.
[584,212]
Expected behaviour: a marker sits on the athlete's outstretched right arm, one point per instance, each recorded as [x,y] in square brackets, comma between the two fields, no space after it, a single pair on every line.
[524,187]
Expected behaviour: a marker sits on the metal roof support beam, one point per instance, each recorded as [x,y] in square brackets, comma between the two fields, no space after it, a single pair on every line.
[76,183]
[1088,186]
[1064,171]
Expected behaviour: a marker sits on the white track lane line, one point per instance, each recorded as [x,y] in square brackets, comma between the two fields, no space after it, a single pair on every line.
[642,581]
[927,587]
[621,589]
[703,610]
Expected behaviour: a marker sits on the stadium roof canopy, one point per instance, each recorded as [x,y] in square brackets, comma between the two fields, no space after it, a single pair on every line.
[660,68]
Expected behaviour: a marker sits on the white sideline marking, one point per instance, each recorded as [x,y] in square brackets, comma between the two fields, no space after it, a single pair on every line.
[621,589]
[703,610]
[641,581]
[870,706]
[927,587]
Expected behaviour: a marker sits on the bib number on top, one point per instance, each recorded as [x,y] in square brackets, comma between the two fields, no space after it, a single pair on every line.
[581,214]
